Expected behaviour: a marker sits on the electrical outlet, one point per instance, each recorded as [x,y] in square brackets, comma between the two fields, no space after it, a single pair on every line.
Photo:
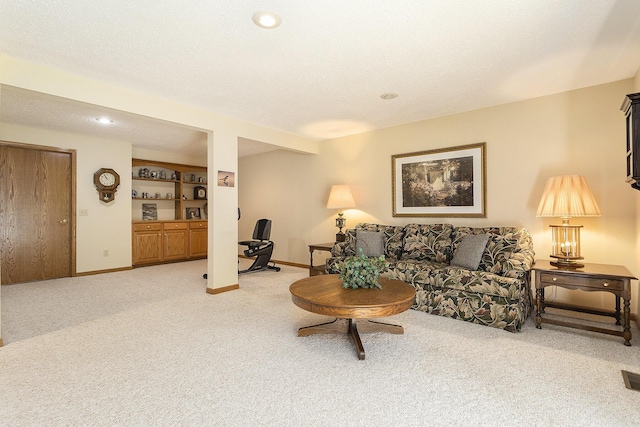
[83,212]
[106,252]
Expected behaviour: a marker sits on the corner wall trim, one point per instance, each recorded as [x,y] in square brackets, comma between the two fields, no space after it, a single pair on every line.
[275,261]
[222,289]
[110,270]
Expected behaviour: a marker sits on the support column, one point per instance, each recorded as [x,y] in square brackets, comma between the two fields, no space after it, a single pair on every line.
[222,266]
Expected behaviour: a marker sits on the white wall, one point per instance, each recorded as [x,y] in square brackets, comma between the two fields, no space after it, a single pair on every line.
[578,132]
[108,225]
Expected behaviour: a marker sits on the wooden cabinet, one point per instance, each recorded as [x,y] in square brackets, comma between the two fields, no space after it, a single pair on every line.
[198,239]
[169,212]
[147,243]
[175,241]
[156,242]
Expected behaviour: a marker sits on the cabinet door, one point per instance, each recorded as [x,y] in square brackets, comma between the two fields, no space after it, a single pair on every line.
[147,246]
[198,240]
[175,242]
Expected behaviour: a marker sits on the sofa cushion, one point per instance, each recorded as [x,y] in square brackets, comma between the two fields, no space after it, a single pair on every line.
[428,242]
[509,251]
[393,235]
[371,243]
[469,252]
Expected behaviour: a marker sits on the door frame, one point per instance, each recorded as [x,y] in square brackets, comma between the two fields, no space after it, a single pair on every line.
[72,214]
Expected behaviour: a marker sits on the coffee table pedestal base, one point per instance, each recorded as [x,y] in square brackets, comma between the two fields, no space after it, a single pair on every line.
[349,326]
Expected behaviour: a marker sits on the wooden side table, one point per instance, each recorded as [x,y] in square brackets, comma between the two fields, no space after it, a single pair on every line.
[315,270]
[591,278]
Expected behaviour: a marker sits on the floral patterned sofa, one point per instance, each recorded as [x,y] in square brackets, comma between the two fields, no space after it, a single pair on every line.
[497,294]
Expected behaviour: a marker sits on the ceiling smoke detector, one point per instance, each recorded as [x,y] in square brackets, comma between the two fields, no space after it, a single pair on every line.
[389,95]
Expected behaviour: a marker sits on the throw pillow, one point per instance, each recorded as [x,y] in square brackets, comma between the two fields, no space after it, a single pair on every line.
[469,252]
[371,242]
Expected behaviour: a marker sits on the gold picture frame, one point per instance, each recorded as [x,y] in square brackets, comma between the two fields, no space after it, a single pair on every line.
[445,182]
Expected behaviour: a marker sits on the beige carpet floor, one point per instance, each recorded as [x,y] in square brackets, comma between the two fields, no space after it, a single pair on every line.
[149,347]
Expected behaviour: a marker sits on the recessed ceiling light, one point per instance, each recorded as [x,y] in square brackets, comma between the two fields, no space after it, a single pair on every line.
[104,120]
[267,20]
[389,95]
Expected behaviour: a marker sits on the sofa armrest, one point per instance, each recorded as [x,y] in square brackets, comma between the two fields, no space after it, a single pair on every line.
[333,265]
[339,249]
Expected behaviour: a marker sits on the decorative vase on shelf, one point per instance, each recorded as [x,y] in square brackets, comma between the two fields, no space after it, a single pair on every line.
[360,271]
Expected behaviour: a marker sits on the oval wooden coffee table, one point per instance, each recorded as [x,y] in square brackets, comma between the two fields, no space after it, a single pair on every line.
[325,295]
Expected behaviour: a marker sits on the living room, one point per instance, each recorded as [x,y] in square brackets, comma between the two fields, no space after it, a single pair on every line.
[527,143]
[580,131]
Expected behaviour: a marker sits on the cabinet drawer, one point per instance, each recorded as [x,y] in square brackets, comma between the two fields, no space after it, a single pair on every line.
[175,226]
[147,227]
[602,283]
[198,225]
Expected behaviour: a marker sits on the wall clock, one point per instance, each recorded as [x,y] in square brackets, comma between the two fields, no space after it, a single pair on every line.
[106,181]
[200,193]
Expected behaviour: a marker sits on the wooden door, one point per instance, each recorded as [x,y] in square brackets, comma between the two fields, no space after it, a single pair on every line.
[36,213]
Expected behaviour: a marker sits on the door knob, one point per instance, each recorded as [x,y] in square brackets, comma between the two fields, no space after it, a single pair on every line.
[64,221]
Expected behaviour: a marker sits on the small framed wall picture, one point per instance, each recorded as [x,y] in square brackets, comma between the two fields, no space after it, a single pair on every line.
[149,212]
[193,213]
[226,179]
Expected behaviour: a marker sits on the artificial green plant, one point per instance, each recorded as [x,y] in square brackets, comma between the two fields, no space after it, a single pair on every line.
[361,271]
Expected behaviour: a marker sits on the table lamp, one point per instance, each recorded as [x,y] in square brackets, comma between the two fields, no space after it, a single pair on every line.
[340,198]
[566,197]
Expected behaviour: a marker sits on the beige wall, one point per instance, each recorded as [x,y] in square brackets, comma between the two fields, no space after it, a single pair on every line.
[578,132]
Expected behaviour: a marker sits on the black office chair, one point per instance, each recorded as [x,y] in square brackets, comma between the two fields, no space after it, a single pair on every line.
[260,247]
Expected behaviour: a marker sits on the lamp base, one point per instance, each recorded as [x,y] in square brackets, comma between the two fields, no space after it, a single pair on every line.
[341,237]
[566,262]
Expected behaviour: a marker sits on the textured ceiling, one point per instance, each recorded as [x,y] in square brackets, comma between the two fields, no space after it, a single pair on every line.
[321,73]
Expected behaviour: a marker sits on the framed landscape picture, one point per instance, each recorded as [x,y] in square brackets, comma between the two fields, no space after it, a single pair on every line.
[447,182]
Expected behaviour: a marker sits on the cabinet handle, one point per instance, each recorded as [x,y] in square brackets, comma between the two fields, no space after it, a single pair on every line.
[605,284]
[554,279]
[148,227]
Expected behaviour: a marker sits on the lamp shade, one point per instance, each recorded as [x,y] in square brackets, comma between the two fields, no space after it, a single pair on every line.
[340,198]
[566,197]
